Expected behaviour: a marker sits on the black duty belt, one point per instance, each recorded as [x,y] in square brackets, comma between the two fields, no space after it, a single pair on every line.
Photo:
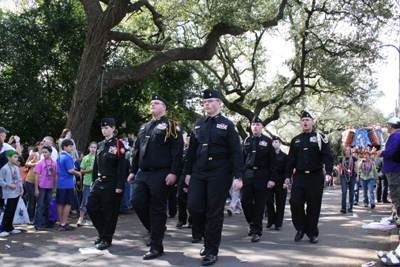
[105,178]
[308,171]
[256,168]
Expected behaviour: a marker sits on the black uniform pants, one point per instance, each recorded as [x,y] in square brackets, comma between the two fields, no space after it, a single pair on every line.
[208,190]
[9,212]
[103,206]
[182,204]
[276,195]
[254,193]
[149,199]
[382,189]
[172,201]
[307,188]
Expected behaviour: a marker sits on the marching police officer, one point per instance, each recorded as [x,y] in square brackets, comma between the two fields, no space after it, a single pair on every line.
[260,173]
[158,153]
[308,153]
[108,178]
[277,194]
[214,156]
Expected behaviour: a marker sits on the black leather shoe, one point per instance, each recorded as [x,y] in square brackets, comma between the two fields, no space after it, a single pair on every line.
[314,240]
[278,228]
[148,244]
[249,232]
[269,225]
[103,245]
[209,260]
[229,212]
[343,211]
[299,236]
[196,240]
[255,238]
[152,254]
[179,224]
[97,241]
[203,251]
[372,206]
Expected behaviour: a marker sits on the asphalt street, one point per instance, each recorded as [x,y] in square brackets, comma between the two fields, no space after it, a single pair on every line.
[342,242]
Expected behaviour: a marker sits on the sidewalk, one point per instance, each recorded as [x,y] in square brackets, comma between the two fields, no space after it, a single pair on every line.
[342,242]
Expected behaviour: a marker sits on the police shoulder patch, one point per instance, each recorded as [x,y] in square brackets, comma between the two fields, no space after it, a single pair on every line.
[122,150]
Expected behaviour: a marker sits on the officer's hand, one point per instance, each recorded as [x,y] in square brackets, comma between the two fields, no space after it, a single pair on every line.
[118,191]
[185,190]
[271,184]
[131,177]
[328,178]
[287,181]
[170,180]
[187,179]
[237,184]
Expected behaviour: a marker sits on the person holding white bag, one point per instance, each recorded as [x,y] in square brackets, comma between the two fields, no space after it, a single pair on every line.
[11,182]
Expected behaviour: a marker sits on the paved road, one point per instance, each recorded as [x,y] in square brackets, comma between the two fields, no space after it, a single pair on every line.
[342,242]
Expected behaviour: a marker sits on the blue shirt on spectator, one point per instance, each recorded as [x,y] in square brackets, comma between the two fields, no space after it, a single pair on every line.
[65,179]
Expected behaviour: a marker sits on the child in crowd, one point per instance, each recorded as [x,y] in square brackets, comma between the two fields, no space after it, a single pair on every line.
[45,179]
[86,169]
[65,183]
[11,182]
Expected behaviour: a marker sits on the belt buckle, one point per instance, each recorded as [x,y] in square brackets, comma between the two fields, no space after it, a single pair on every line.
[255,168]
[103,177]
[210,158]
[306,171]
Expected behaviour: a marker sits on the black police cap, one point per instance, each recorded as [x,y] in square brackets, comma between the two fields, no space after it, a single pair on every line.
[209,93]
[305,114]
[256,119]
[276,138]
[158,97]
[107,122]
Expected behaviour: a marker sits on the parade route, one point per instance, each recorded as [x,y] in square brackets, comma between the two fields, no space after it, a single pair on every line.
[342,242]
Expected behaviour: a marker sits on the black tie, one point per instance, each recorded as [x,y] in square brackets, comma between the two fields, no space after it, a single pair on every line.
[306,148]
[252,160]
[204,149]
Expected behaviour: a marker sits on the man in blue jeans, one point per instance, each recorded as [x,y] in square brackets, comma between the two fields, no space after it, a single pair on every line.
[392,169]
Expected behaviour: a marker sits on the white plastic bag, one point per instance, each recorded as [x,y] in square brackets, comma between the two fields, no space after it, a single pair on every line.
[21,213]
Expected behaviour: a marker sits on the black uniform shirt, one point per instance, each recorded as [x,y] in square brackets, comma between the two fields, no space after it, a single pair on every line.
[107,162]
[224,143]
[265,154]
[305,146]
[281,158]
[159,145]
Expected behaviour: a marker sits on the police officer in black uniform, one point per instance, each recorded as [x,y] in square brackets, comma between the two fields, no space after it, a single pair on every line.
[158,153]
[108,178]
[260,173]
[214,156]
[308,153]
[277,193]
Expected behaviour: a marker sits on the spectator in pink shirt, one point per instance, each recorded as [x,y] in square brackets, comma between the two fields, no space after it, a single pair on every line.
[45,185]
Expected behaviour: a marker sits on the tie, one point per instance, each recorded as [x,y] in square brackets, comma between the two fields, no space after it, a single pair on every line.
[306,152]
[149,129]
[252,160]
[204,149]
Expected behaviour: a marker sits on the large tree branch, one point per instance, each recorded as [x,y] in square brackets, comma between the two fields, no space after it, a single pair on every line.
[123,36]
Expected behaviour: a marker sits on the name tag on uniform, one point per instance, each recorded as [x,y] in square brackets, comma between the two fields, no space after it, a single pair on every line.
[297,141]
[162,126]
[113,150]
[142,128]
[263,143]
[313,139]
[222,126]
[197,127]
